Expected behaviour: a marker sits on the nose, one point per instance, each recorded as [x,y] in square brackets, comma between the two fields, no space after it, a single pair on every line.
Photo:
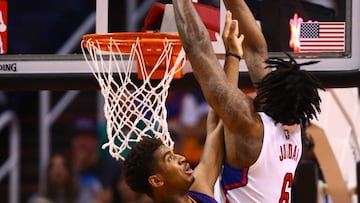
[181,158]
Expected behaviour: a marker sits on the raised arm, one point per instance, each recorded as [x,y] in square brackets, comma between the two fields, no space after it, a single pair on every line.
[213,154]
[230,103]
[236,152]
[210,164]
[255,47]
[233,48]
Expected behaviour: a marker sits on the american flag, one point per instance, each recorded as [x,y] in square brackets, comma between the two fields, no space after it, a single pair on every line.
[322,37]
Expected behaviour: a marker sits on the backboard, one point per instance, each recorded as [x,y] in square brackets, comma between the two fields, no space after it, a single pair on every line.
[44,41]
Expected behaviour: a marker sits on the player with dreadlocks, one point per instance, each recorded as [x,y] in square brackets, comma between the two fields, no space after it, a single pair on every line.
[299,98]
[262,136]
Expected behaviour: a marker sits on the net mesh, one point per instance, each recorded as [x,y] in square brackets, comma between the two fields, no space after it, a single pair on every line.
[132,110]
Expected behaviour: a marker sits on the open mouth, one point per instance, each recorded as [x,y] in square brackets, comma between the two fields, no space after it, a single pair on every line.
[188,170]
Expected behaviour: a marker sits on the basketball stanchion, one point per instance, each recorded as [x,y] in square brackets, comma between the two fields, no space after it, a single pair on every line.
[133,111]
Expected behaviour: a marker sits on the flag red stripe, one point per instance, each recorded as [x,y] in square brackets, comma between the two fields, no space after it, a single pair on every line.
[331,38]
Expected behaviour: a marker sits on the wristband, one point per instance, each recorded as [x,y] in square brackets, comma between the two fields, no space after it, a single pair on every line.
[232,54]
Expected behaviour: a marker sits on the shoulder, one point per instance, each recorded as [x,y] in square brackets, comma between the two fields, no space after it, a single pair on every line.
[201,197]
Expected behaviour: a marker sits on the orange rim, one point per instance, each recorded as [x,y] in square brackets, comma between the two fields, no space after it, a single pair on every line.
[125,40]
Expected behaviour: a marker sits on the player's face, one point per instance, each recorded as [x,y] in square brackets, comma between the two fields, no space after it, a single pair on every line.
[174,168]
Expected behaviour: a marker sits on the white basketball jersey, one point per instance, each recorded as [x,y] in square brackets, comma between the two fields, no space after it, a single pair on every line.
[271,177]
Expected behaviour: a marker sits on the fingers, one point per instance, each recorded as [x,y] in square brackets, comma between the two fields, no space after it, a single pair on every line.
[227,25]
[234,28]
[231,35]
[231,27]
[241,40]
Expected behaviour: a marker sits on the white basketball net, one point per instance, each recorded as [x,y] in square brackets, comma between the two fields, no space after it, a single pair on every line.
[131,111]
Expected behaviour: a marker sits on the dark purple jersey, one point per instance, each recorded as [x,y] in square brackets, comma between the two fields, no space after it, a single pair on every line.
[201,197]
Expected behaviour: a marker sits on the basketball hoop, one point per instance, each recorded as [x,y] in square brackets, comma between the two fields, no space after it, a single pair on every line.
[134,110]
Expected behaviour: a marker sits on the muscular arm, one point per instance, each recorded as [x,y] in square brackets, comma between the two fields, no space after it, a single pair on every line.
[231,104]
[218,91]
[239,152]
[211,157]
[255,47]
[213,153]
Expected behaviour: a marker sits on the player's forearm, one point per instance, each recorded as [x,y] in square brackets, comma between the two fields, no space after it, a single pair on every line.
[211,121]
[213,153]
[193,33]
[231,68]
[207,70]
[255,62]
[197,45]
[255,47]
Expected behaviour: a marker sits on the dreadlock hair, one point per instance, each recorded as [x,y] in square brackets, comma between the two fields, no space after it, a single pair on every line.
[139,164]
[287,94]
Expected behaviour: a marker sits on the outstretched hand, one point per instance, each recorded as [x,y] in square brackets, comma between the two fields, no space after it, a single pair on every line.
[231,37]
